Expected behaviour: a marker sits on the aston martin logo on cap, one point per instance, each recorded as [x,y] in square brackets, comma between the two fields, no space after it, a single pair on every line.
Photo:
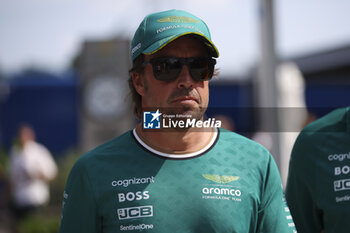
[177,19]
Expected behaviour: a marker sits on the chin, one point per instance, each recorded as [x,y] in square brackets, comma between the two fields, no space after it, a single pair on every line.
[187,112]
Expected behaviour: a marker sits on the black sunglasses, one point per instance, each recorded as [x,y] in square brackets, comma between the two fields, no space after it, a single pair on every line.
[169,68]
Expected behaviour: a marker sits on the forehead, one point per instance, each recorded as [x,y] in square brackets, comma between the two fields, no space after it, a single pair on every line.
[185,46]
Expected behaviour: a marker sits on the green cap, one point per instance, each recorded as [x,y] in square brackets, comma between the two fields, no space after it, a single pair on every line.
[159,29]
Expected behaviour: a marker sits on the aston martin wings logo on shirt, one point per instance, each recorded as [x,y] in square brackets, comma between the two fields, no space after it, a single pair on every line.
[220,179]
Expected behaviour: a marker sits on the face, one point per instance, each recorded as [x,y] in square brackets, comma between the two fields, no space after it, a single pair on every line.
[182,95]
[26,134]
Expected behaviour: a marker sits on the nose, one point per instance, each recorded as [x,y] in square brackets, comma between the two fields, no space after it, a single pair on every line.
[185,80]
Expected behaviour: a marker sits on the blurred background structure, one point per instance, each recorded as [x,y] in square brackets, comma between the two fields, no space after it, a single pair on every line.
[64,70]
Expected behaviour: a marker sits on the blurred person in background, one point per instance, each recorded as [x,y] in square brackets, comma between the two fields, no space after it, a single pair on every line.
[318,187]
[32,167]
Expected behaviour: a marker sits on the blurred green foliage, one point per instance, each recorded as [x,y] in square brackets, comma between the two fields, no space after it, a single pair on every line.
[39,223]
[3,162]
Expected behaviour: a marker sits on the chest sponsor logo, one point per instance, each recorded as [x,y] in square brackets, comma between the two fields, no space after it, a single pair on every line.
[341,185]
[133,181]
[220,179]
[221,190]
[135,212]
[131,196]
[344,170]
[339,157]
[138,227]
[221,193]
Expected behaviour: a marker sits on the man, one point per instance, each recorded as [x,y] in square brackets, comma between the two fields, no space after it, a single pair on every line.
[184,178]
[318,190]
[31,169]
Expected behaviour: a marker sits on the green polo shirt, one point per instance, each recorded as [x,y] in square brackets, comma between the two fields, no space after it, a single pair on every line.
[318,187]
[232,185]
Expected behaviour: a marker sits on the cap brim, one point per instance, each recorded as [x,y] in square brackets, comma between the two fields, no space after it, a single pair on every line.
[155,47]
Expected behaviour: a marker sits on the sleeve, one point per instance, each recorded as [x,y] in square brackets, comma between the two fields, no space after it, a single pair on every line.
[274,215]
[48,167]
[299,195]
[38,162]
[79,207]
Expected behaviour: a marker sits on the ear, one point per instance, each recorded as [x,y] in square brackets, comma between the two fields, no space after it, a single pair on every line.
[139,83]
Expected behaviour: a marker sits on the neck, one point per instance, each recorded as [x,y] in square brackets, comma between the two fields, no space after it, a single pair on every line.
[176,142]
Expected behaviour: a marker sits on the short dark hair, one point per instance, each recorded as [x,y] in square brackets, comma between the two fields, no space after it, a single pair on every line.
[136,97]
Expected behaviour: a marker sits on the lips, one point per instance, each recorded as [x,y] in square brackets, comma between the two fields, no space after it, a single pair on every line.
[184,96]
[182,99]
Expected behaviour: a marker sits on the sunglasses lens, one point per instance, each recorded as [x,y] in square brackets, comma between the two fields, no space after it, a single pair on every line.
[166,69]
[202,69]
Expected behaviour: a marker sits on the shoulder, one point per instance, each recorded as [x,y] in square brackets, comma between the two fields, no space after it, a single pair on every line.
[316,135]
[233,138]
[320,129]
[254,160]
[37,150]
[107,150]
[334,121]
[242,146]
[33,145]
